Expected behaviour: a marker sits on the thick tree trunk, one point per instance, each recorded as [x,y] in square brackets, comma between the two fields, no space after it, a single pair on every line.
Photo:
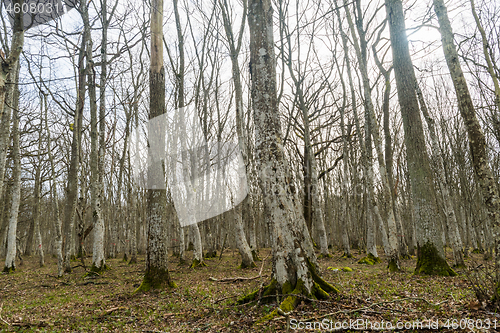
[294,262]
[430,253]
[477,140]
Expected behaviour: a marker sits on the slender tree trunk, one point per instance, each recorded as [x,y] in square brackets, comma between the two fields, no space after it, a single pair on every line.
[10,261]
[477,140]
[36,196]
[234,49]
[98,258]
[55,199]
[449,210]
[72,186]
[157,274]
[430,253]
[371,129]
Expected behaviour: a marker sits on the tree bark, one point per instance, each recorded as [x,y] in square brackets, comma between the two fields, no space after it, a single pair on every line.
[477,140]
[10,260]
[430,253]
[449,210]
[234,49]
[294,262]
[157,275]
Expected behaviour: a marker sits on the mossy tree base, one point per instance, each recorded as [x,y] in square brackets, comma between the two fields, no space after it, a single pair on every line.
[244,265]
[102,268]
[328,255]
[133,260]
[429,262]
[198,263]
[255,255]
[393,265]
[320,290]
[370,259]
[8,270]
[346,255]
[155,278]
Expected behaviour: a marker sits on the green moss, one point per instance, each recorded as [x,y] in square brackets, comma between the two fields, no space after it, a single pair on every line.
[319,280]
[328,255]
[155,278]
[198,263]
[255,255]
[8,270]
[393,265]
[376,260]
[347,269]
[429,262]
[346,255]
[366,261]
[287,288]
[243,266]
[102,267]
[267,291]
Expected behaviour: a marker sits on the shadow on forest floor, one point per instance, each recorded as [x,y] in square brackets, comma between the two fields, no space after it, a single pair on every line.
[32,299]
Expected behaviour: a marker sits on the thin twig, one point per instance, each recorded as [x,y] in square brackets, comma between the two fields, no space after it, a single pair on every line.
[6,322]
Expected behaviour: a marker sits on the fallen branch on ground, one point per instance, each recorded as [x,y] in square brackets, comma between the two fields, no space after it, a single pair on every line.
[234,279]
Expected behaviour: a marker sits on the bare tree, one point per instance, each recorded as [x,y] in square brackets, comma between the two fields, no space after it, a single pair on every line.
[156,275]
[430,253]
[477,140]
[294,262]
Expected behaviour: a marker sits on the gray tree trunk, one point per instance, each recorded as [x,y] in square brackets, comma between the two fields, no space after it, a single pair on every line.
[477,140]
[10,260]
[156,275]
[430,253]
[294,262]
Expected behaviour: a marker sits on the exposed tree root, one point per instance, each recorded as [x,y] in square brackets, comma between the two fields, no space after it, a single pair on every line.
[370,259]
[102,268]
[319,291]
[244,266]
[346,255]
[255,255]
[198,263]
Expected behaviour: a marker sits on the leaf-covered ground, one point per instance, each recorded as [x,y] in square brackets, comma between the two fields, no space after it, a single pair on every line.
[33,299]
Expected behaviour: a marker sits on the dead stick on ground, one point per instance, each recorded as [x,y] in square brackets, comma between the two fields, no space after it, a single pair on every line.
[3,320]
[235,279]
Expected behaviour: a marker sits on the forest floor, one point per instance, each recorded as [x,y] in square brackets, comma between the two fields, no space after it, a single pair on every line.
[33,299]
